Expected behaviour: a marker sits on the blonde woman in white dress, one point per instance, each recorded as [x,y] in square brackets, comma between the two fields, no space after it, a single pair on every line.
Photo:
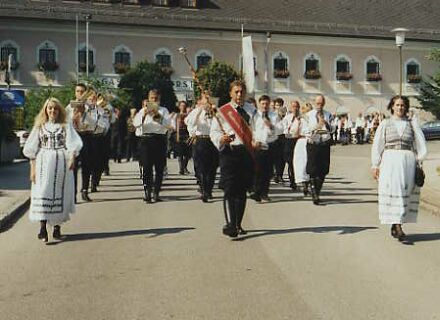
[300,151]
[52,147]
[397,147]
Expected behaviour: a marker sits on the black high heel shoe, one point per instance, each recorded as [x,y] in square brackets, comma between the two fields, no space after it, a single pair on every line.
[43,235]
[393,231]
[57,232]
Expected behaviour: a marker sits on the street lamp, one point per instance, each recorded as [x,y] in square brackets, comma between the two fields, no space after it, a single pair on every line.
[266,61]
[400,41]
[88,18]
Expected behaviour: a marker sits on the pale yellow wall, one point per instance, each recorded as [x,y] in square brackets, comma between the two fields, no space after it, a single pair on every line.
[225,46]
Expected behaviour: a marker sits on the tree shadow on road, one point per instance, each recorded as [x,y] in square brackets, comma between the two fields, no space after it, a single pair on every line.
[153,233]
[341,230]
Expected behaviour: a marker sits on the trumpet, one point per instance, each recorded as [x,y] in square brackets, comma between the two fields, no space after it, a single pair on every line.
[78,105]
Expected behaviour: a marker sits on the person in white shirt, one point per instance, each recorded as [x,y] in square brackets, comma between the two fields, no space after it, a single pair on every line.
[264,134]
[398,147]
[236,164]
[153,122]
[205,154]
[291,131]
[279,112]
[360,125]
[318,146]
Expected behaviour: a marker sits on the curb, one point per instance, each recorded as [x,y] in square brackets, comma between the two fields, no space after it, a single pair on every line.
[10,218]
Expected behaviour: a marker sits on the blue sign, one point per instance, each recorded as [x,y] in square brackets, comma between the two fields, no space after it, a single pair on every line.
[10,99]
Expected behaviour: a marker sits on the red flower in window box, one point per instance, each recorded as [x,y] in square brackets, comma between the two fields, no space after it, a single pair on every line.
[82,67]
[343,76]
[374,77]
[281,74]
[121,68]
[312,74]
[413,78]
[48,66]
[4,65]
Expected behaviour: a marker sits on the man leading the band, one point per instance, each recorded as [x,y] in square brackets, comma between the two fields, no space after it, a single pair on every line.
[233,138]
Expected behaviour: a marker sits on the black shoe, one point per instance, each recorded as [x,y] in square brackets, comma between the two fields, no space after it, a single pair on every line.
[181,172]
[157,198]
[255,197]
[210,196]
[230,231]
[147,197]
[276,179]
[241,231]
[204,198]
[85,196]
[186,171]
[94,189]
[293,186]
[43,235]
[57,232]
[394,231]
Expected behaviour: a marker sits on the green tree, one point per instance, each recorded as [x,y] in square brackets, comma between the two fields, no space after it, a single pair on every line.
[430,89]
[216,77]
[144,77]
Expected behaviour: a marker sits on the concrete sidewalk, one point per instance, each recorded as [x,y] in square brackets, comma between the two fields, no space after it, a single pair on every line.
[14,191]
[430,194]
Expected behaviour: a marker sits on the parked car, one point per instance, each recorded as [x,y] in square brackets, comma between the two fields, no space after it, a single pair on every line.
[431,130]
[23,135]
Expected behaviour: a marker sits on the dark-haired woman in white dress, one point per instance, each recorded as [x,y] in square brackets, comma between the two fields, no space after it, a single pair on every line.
[397,147]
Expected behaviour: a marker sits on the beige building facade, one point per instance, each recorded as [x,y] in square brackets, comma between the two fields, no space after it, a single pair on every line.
[358,74]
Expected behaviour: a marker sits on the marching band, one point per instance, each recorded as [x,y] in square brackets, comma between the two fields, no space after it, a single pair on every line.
[251,143]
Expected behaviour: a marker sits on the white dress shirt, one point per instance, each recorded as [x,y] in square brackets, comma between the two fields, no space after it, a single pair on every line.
[198,122]
[262,132]
[149,126]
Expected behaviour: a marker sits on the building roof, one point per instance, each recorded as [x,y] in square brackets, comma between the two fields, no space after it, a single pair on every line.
[350,18]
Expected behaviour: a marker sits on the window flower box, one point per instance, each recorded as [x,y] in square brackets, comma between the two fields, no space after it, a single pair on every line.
[343,76]
[48,66]
[167,70]
[413,78]
[312,75]
[283,74]
[4,65]
[374,77]
[82,67]
[121,68]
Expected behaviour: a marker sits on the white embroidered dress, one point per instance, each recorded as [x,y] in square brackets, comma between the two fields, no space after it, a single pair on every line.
[398,145]
[300,153]
[52,195]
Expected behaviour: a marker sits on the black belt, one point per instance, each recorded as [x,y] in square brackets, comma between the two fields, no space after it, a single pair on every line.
[152,135]
[203,137]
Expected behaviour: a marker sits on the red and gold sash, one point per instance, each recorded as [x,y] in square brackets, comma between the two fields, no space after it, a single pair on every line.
[238,124]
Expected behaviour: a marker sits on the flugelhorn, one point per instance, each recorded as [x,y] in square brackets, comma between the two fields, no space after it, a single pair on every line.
[210,111]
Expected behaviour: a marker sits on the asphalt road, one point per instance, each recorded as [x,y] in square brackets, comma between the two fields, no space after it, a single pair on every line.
[123,259]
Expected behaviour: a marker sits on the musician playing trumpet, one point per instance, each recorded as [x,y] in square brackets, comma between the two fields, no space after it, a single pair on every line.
[152,122]
[205,154]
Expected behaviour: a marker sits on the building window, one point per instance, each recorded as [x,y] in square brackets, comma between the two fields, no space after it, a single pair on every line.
[203,60]
[280,66]
[373,70]
[163,59]
[47,57]
[162,3]
[343,69]
[121,60]
[189,3]
[82,62]
[413,74]
[6,50]
[312,67]
[130,1]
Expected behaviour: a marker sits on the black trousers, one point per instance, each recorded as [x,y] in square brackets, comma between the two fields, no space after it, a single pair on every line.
[131,146]
[183,151]
[153,153]
[289,147]
[264,171]
[107,148]
[206,159]
[88,157]
[318,164]
[101,147]
[279,162]
[236,177]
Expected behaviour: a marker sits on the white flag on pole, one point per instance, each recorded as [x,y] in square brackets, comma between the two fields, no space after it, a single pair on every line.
[248,64]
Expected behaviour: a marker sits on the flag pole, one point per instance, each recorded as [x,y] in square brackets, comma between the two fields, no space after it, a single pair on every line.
[242,60]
